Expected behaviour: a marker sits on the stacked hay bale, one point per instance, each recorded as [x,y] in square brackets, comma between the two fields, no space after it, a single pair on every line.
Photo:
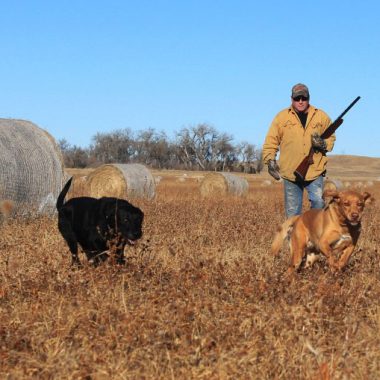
[121,181]
[31,167]
[223,184]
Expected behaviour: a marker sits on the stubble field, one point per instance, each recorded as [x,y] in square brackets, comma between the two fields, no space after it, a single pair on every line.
[199,298]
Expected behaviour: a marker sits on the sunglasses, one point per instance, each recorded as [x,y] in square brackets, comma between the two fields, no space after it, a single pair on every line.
[298,98]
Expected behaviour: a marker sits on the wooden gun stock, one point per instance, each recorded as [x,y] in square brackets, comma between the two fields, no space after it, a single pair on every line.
[303,167]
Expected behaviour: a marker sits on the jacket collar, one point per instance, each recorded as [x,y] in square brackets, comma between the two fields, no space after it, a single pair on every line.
[310,113]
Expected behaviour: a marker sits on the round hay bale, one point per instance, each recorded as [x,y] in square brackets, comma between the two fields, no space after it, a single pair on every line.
[31,167]
[121,181]
[222,184]
[332,184]
[79,187]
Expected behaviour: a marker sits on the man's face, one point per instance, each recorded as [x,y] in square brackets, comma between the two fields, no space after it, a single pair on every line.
[300,103]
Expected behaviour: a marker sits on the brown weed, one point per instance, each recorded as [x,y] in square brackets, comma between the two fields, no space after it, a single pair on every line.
[199,298]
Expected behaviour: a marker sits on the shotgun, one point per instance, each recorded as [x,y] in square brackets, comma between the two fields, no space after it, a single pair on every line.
[303,167]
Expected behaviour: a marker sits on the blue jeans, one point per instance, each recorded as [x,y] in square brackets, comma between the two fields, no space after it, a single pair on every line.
[293,192]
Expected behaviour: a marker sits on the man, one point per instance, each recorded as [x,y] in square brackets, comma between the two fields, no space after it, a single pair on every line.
[294,131]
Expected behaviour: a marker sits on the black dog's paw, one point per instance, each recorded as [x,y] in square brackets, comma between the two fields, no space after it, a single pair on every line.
[120,261]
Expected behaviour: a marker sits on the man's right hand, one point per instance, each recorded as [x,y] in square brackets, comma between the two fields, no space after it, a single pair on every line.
[273,169]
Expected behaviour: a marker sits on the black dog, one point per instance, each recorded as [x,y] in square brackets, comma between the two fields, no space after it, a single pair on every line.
[98,225]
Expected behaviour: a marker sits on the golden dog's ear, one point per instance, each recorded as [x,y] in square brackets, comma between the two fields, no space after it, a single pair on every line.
[329,196]
[329,193]
[368,200]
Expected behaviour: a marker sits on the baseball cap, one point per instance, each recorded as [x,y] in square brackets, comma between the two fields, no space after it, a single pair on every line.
[300,89]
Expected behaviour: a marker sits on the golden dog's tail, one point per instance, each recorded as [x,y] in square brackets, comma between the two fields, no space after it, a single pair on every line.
[6,208]
[282,233]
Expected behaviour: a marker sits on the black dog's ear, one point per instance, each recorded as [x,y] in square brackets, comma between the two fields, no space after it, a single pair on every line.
[106,215]
[111,210]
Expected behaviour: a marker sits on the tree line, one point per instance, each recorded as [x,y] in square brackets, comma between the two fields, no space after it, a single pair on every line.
[199,147]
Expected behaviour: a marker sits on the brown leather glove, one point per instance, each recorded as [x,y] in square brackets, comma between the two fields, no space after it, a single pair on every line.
[317,142]
[273,169]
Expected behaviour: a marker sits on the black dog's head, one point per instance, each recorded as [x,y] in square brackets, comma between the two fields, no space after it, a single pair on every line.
[123,218]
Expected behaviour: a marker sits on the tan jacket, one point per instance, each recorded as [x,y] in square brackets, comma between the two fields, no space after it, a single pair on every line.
[287,134]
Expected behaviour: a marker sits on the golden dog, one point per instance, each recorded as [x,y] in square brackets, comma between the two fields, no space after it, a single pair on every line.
[332,231]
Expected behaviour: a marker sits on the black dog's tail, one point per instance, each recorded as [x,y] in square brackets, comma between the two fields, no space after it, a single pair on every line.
[61,196]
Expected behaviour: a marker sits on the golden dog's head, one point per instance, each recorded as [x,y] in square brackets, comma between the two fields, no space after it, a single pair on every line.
[350,204]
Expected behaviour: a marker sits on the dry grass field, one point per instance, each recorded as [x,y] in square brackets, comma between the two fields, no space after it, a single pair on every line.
[358,168]
[199,298]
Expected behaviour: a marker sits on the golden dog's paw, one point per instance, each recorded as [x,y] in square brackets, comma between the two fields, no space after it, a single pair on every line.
[290,275]
[335,268]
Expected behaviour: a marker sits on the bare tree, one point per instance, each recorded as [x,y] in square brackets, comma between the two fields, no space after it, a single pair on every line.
[246,152]
[223,153]
[259,162]
[116,146]
[196,147]
[185,151]
[195,144]
[153,148]
[249,157]
[74,156]
[203,147]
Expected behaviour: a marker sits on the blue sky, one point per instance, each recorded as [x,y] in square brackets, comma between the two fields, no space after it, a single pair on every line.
[76,68]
